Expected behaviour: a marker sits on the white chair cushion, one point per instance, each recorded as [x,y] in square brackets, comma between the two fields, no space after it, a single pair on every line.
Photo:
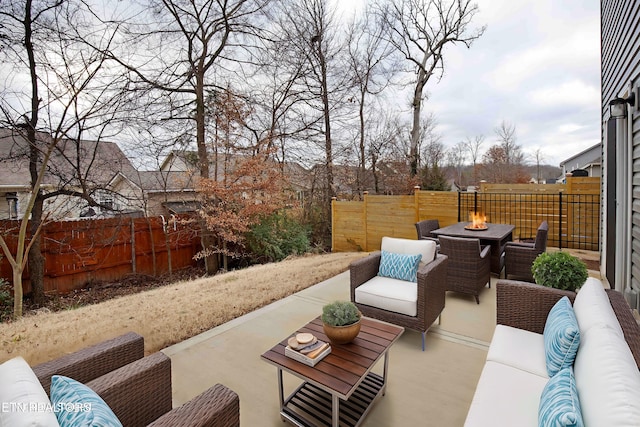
[427,248]
[593,308]
[389,294]
[24,403]
[505,396]
[518,348]
[607,379]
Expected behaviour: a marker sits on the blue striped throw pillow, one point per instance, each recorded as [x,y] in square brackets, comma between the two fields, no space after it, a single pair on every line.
[77,405]
[561,337]
[399,266]
[559,403]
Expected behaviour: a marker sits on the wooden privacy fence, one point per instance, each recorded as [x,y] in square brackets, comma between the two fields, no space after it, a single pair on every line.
[572,211]
[79,252]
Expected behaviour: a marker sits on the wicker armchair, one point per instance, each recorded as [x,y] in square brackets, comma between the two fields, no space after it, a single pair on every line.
[430,286]
[138,388]
[469,267]
[519,256]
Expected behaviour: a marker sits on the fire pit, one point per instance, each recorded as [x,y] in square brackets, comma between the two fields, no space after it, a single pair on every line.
[478,222]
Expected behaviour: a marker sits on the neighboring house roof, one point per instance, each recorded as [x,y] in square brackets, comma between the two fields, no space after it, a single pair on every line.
[96,162]
[158,181]
[589,156]
[187,161]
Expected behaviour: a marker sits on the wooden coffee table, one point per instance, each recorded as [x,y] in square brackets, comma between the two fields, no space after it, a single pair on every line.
[340,389]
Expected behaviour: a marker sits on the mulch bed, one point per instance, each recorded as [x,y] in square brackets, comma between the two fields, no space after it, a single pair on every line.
[97,292]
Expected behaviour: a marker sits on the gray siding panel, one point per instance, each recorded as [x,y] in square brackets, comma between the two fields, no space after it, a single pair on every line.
[620,44]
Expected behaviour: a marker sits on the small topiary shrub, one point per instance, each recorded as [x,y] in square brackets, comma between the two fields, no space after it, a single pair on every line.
[340,313]
[559,270]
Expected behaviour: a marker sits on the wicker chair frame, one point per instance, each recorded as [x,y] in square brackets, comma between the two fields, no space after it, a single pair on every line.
[519,256]
[431,293]
[469,269]
[138,388]
[424,229]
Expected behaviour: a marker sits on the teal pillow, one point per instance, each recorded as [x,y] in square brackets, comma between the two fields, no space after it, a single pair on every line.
[561,337]
[77,405]
[399,266]
[559,403]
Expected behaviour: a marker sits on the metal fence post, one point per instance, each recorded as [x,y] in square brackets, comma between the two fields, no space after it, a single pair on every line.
[475,202]
[560,220]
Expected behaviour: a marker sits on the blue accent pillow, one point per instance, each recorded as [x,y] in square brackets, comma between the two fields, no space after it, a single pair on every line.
[77,405]
[399,266]
[561,337]
[559,403]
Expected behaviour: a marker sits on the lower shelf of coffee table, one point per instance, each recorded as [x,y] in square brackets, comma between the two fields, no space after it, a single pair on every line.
[310,406]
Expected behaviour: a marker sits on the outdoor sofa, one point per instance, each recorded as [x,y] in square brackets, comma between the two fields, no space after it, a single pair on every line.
[602,383]
[136,388]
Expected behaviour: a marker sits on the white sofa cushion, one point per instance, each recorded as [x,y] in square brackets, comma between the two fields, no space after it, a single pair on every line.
[427,248]
[389,294]
[607,379]
[518,348]
[23,401]
[593,308]
[505,396]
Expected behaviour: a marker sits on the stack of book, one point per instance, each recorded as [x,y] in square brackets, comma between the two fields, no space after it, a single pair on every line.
[306,348]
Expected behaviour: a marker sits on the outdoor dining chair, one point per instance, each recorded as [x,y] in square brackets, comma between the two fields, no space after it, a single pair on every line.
[424,229]
[519,256]
[469,268]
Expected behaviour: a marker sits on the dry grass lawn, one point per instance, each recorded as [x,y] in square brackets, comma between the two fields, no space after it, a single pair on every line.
[170,314]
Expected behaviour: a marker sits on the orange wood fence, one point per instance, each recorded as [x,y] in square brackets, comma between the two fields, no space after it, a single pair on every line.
[80,252]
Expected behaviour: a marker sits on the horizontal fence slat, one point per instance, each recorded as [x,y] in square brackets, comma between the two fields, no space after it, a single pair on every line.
[572,211]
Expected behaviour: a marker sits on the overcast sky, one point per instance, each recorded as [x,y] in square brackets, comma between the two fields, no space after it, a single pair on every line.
[537,66]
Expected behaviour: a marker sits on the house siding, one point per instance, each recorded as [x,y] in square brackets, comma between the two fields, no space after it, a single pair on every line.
[620,44]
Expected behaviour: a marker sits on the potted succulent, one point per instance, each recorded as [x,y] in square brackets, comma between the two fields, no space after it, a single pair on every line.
[341,321]
[559,270]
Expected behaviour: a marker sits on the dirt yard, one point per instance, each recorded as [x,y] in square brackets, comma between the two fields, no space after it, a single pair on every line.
[164,315]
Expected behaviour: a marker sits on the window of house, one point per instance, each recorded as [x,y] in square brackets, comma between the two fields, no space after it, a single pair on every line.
[12,202]
[107,202]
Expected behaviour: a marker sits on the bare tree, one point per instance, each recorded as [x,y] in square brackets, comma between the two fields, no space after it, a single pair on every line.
[312,24]
[69,95]
[506,136]
[504,161]
[456,156]
[181,46]
[367,52]
[432,156]
[420,30]
[539,158]
[473,147]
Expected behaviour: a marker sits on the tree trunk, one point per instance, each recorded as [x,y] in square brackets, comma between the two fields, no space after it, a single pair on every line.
[210,261]
[17,293]
[327,143]
[363,169]
[415,129]
[36,259]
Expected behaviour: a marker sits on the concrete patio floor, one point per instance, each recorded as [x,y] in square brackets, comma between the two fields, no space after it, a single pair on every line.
[430,388]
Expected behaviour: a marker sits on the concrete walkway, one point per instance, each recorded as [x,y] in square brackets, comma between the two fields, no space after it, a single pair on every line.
[431,388]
